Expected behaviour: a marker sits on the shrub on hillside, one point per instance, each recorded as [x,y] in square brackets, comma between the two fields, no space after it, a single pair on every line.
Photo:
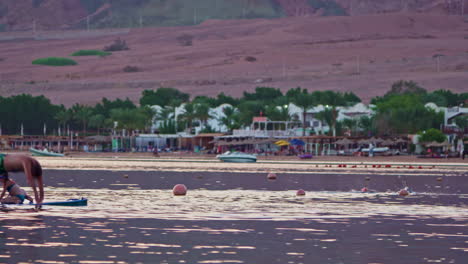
[185,40]
[118,45]
[250,59]
[129,68]
[54,61]
[90,53]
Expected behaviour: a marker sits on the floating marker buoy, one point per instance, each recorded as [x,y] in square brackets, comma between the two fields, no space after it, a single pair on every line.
[403,192]
[179,189]
[364,189]
[271,176]
[300,192]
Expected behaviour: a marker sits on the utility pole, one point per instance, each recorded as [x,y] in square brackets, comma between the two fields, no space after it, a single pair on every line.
[284,67]
[34,27]
[463,7]
[358,64]
[194,16]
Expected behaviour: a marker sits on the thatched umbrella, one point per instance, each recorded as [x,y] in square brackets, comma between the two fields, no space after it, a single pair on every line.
[400,140]
[344,141]
[437,144]
[387,142]
[363,141]
[376,140]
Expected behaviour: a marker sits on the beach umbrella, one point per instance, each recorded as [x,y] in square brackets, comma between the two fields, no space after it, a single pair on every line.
[282,143]
[297,142]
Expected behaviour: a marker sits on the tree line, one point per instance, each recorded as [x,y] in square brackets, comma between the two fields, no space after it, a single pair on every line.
[400,111]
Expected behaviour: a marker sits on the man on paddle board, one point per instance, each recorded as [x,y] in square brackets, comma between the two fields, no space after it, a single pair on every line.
[31,168]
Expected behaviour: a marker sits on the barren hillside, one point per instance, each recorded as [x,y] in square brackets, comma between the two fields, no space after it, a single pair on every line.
[80,14]
[364,54]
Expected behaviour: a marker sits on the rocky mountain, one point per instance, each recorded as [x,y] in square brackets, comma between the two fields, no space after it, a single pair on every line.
[78,14]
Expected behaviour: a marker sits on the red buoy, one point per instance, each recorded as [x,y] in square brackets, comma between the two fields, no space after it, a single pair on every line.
[403,192]
[300,192]
[179,189]
[271,176]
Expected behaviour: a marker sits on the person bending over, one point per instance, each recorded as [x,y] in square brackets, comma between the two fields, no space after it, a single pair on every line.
[31,168]
[16,194]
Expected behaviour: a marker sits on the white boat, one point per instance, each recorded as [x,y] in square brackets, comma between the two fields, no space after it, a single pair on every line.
[376,150]
[45,152]
[237,157]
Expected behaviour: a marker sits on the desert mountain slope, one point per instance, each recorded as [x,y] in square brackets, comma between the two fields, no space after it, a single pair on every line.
[364,54]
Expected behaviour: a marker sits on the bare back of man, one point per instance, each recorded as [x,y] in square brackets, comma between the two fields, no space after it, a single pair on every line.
[31,168]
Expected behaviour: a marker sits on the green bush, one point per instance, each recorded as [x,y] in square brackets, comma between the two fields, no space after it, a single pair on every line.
[91,53]
[54,61]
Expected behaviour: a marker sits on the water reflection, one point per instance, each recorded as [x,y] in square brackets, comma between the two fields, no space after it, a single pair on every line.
[237,226]
[243,205]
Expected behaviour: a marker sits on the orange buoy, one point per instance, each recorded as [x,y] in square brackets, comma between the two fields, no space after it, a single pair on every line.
[271,176]
[403,192]
[179,189]
[300,192]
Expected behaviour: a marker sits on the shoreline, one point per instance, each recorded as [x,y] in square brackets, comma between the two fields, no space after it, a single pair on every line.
[279,164]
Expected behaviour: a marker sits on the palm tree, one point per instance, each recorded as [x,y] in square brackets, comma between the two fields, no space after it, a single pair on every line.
[231,118]
[329,116]
[202,112]
[63,117]
[305,101]
[97,122]
[189,115]
[351,124]
[83,114]
[365,123]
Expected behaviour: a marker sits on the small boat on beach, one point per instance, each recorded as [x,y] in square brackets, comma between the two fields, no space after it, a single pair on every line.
[239,157]
[305,156]
[37,152]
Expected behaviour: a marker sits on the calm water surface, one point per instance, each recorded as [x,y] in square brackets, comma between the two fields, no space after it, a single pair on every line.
[132,217]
